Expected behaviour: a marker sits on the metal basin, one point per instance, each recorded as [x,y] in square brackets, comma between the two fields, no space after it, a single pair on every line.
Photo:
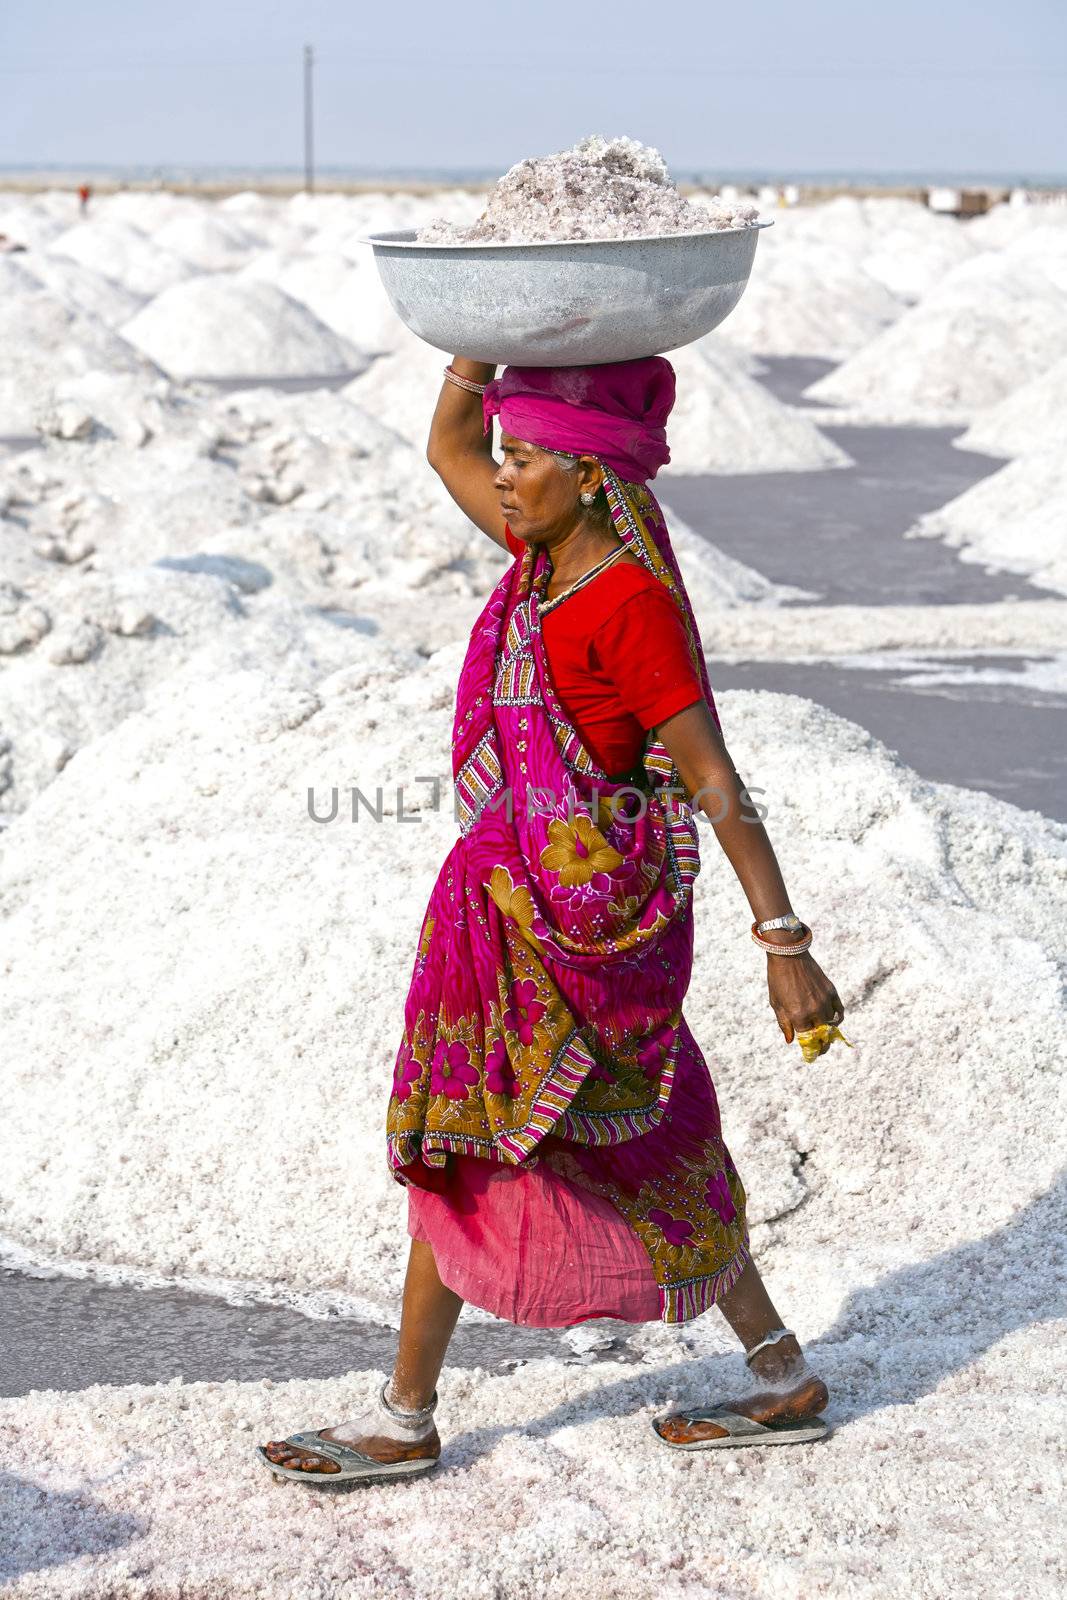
[573,304]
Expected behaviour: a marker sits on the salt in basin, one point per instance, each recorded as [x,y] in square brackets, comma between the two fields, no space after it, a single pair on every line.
[565,303]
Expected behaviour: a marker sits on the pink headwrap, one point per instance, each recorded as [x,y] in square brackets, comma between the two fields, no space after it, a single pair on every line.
[615,412]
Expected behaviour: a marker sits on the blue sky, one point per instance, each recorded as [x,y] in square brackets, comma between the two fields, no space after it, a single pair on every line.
[958,86]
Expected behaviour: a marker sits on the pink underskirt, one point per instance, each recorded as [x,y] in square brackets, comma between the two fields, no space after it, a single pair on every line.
[532,1247]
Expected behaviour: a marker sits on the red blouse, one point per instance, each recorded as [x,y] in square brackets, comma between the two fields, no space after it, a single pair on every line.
[619,658]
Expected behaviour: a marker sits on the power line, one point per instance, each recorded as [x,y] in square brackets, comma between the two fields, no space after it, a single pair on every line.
[531,66]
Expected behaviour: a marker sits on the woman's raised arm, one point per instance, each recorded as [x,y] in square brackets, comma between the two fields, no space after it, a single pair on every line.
[461,453]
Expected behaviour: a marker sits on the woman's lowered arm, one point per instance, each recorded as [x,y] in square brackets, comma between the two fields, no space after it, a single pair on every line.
[801,994]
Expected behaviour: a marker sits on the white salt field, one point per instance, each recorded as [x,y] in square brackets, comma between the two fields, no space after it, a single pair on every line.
[228,574]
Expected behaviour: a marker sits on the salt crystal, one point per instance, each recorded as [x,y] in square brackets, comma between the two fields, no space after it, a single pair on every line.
[600,189]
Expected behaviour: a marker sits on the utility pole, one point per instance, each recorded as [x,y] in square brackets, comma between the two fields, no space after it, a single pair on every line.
[309,130]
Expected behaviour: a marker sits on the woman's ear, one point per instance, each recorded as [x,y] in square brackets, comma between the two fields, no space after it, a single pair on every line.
[590,475]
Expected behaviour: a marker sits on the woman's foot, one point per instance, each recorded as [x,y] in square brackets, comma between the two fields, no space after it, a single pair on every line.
[357,1438]
[377,1433]
[788,1390]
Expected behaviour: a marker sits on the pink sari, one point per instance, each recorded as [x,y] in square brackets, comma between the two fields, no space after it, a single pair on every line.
[544,1016]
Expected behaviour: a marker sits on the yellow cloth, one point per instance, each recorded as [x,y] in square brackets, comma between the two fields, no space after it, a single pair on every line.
[812,1040]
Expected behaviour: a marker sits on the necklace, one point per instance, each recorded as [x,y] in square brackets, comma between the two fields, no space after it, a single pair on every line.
[586,577]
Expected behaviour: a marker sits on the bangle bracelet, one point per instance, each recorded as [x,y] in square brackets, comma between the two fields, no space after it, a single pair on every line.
[783,949]
[465,383]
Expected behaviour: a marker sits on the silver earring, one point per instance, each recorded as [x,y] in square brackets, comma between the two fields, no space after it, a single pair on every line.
[587,498]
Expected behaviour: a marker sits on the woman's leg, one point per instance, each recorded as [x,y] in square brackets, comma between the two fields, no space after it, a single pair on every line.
[427,1320]
[787,1387]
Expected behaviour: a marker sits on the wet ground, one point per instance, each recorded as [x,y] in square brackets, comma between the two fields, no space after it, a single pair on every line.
[1006,739]
[841,532]
[69,1333]
[838,532]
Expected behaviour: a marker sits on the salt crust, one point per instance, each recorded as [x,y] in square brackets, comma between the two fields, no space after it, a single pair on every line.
[599,189]
[294,525]
[552,1484]
[812,632]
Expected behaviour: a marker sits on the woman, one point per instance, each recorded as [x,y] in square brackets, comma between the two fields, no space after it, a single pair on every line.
[551,1116]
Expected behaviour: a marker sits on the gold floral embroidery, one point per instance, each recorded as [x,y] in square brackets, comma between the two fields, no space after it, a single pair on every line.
[514,903]
[577,852]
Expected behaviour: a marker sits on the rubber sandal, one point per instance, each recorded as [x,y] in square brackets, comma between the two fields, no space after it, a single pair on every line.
[355,1466]
[742,1430]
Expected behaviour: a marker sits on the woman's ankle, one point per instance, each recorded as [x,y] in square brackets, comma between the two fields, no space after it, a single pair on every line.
[409,1399]
[780,1363]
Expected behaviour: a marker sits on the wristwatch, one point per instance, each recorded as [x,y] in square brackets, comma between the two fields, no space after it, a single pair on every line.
[790,921]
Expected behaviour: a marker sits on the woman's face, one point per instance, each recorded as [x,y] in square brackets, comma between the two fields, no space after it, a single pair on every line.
[538,497]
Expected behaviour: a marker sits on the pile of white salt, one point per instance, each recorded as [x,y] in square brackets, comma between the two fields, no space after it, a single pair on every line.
[600,189]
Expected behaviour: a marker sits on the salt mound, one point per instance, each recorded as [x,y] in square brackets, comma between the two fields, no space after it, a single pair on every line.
[222,327]
[832,276]
[348,297]
[911,249]
[42,340]
[1043,248]
[725,421]
[30,221]
[599,189]
[79,288]
[110,637]
[85,288]
[1013,521]
[375,549]
[210,242]
[248,203]
[1032,417]
[987,329]
[122,252]
[1002,224]
[16,276]
[401,389]
[184,1072]
[809,298]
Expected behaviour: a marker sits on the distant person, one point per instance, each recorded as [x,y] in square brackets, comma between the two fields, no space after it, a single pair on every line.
[84,193]
[552,1116]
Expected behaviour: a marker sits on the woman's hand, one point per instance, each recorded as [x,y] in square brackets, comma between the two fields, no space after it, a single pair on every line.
[801,995]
